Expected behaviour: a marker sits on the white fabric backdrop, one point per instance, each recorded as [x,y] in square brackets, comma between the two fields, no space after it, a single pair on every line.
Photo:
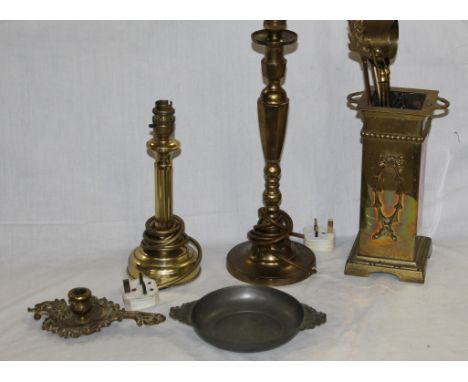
[76,183]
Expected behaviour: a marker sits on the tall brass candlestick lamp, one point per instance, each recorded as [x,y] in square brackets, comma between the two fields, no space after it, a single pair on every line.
[270,257]
[166,253]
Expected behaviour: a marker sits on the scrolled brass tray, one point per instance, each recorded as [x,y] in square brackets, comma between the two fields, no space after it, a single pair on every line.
[247,318]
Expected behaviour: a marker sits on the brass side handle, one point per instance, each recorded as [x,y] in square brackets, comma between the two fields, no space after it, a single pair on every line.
[444,104]
[441,104]
[353,99]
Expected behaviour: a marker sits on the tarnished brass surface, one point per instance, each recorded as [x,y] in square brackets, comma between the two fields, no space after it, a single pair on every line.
[86,314]
[412,270]
[269,257]
[166,254]
[393,143]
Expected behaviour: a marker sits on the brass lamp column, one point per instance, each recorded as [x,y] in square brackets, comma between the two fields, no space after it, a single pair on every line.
[166,253]
[269,256]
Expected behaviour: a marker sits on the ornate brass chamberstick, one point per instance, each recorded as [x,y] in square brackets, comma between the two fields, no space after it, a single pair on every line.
[86,314]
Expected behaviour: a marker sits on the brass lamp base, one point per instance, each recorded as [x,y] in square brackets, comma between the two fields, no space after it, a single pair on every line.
[167,270]
[246,264]
[414,271]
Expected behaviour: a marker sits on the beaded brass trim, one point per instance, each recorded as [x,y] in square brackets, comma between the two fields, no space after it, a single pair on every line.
[393,137]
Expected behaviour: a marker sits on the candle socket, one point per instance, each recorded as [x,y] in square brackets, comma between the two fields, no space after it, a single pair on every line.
[166,253]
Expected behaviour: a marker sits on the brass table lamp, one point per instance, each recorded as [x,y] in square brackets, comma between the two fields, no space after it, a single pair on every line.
[396,125]
[269,256]
[166,253]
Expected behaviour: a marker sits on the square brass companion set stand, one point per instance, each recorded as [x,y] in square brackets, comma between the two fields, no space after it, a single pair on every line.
[397,122]
[396,125]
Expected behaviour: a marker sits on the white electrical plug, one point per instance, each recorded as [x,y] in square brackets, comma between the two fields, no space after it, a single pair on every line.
[320,240]
[140,293]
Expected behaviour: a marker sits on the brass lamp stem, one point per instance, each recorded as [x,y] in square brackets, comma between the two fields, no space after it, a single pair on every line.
[273,101]
[163,147]
[163,194]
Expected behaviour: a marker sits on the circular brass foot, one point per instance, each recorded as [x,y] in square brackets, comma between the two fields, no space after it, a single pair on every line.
[244,263]
[167,270]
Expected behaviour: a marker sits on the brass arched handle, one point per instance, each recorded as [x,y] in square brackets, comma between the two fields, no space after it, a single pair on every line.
[441,104]
[444,104]
[352,100]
